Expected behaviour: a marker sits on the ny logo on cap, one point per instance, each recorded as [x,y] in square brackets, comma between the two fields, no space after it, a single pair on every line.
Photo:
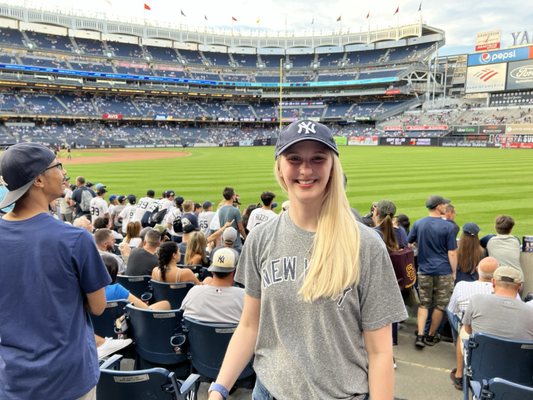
[308,126]
[221,259]
[2,182]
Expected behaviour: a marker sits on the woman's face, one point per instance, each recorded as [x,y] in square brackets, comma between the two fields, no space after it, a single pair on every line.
[305,168]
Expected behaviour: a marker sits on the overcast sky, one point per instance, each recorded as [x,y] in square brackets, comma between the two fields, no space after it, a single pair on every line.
[460,19]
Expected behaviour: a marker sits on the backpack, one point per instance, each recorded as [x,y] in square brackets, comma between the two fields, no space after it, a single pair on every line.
[85,200]
[147,218]
[403,261]
[177,225]
[156,217]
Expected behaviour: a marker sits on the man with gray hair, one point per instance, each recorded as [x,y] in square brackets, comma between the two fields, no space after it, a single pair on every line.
[142,260]
[462,293]
[502,314]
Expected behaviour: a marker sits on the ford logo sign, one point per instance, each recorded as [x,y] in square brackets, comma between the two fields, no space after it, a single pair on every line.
[524,72]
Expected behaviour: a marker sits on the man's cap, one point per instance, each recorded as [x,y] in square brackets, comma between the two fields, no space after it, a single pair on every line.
[206,204]
[101,190]
[197,206]
[386,207]
[179,200]
[121,198]
[89,184]
[112,197]
[19,166]
[160,228]
[100,186]
[299,131]
[132,198]
[170,193]
[508,274]
[188,227]
[224,260]
[229,234]
[434,201]
[471,228]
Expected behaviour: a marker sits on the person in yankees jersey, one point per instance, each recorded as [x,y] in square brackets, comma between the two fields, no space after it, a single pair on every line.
[321,293]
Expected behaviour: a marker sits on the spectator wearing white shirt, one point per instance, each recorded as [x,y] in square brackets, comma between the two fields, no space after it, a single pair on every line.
[263,214]
[99,206]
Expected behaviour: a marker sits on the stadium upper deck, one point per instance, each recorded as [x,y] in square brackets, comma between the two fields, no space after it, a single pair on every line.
[46,43]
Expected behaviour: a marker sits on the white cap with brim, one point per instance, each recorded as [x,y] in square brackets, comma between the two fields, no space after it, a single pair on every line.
[19,166]
[224,260]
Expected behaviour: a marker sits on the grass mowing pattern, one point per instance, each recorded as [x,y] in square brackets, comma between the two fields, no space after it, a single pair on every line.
[482,183]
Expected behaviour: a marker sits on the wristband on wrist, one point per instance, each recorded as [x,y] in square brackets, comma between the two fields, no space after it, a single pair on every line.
[217,387]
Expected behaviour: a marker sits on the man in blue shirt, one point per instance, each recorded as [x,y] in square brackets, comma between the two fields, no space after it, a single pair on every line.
[437,263]
[51,276]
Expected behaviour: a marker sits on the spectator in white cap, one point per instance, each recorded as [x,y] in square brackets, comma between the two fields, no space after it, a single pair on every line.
[218,301]
[50,302]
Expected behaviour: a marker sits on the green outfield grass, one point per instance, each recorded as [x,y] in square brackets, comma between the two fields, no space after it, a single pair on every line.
[482,183]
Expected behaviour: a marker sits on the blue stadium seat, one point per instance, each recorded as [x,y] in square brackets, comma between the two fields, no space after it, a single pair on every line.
[501,389]
[104,325]
[153,383]
[488,357]
[207,346]
[158,336]
[173,292]
[137,285]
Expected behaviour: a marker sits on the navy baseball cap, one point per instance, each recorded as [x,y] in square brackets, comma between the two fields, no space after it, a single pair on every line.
[471,228]
[299,131]
[433,201]
[19,166]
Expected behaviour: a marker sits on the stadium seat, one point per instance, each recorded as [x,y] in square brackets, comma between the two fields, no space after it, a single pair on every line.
[137,285]
[158,337]
[501,389]
[488,357]
[104,325]
[153,383]
[173,292]
[207,346]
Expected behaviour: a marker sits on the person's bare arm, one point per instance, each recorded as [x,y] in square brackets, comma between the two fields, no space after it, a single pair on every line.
[378,345]
[452,257]
[241,229]
[242,345]
[96,302]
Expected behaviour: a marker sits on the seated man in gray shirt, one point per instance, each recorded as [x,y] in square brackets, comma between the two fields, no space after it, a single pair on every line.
[218,300]
[502,313]
[142,260]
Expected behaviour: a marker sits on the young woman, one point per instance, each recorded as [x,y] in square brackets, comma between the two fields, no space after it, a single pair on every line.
[196,250]
[469,253]
[132,238]
[168,271]
[321,294]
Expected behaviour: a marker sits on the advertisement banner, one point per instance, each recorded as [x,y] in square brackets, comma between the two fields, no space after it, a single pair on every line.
[519,129]
[520,145]
[486,78]
[488,40]
[468,129]
[492,129]
[393,128]
[500,56]
[363,141]
[520,75]
[111,116]
[426,128]
[408,141]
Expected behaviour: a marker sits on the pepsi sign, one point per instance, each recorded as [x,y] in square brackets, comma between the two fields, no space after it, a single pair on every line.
[500,56]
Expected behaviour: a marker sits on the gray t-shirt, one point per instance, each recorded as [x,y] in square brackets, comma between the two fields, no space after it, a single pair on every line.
[314,350]
[214,304]
[500,316]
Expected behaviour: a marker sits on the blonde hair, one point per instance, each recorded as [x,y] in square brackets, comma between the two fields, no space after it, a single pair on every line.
[334,263]
[196,245]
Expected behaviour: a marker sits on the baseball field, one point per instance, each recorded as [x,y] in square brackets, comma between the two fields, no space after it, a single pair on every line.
[482,183]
